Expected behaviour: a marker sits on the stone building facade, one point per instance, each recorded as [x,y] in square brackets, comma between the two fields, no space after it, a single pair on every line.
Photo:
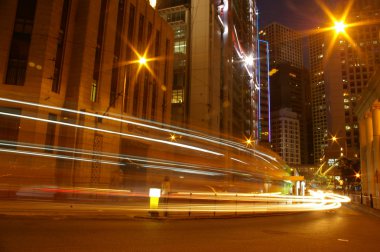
[65,65]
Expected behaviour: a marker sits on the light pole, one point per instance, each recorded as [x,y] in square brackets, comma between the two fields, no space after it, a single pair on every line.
[357,176]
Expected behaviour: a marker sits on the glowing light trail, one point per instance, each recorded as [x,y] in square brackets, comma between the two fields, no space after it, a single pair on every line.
[115,133]
[226,203]
[195,135]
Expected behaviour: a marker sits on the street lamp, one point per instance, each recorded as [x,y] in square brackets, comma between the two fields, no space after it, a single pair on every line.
[248,142]
[334,139]
[142,61]
[339,26]
[249,60]
[173,137]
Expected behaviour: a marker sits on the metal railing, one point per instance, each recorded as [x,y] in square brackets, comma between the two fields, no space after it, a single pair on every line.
[364,199]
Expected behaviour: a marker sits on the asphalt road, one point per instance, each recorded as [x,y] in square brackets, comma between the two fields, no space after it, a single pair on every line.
[342,230]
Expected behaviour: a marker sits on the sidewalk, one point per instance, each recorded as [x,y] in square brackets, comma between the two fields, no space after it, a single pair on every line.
[41,208]
[364,209]
[94,210]
[118,210]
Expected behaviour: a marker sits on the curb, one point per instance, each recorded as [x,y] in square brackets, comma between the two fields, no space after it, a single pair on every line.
[364,209]
[123,216]
[73,215]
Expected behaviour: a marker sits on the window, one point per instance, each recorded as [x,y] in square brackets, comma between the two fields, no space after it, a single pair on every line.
[176,16]
[145,101]
[149,35]
[179,32]
[50,132]
[177,96]
[140,43]
[166,73]
[157,46]
[98,52]
[131,22]
[167,51]
[59,55]
[9,125]
[157,51]
[117,51]
[136,92]
[180,46]
[19,48]
[154,99]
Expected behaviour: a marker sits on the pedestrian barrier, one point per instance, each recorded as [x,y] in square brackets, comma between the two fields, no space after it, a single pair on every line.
[367,200]
[192,204]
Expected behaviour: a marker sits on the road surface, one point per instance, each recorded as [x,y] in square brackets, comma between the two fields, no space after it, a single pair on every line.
[345,229]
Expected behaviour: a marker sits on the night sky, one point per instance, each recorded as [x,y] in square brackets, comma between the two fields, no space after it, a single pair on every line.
[297,14]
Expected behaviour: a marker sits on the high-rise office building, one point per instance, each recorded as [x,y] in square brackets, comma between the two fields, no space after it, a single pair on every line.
[286,135]
[264,127]
[288,90]
[215,79]
[285,44]
[289,81]
[340,71]
[177,14]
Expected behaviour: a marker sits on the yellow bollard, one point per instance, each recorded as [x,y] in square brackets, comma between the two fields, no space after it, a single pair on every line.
[154,198]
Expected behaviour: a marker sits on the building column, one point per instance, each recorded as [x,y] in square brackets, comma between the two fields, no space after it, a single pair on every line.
[376,148]
[363,154]
[369,161]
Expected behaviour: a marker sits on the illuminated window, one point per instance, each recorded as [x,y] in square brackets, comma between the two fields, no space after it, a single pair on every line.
[176,16]
[331,161]
[177,96]
[94,89]
[179,32]
[180,47]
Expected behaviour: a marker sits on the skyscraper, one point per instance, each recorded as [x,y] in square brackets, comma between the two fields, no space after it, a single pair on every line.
[288,82]
[218,81]
[178,15]
[285,44]
[340,71]
[264,127]
[286,135]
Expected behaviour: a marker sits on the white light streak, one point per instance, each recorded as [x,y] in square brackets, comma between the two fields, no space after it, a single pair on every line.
[115,133]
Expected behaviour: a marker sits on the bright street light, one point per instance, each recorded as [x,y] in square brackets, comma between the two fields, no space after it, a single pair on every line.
[142,61]
[249,60]
[173,137]
[248,142]
[339,26]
